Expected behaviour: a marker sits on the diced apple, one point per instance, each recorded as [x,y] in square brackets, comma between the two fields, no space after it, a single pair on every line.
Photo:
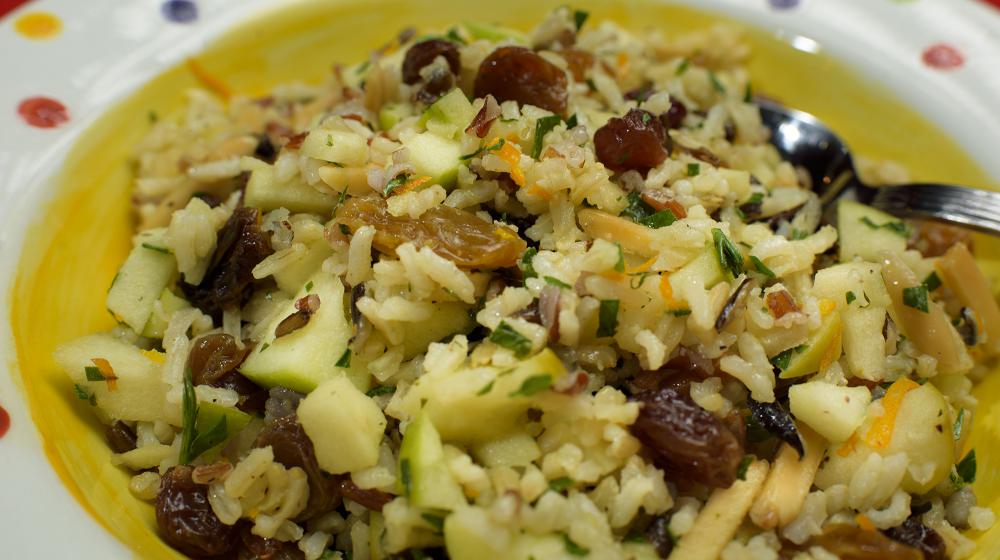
[138,393]
[336,146]
[434,156]
[345,426]
[866,232]
[391,113]
[140,281]
[450,115]
[424,477]
[169,303]
[833,411]
[448,318]
[265,192]
[824,348]
[471,534]
[516,450]
[304,358]
[291,278]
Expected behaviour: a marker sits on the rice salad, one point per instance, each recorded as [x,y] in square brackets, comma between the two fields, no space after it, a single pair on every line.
[550,295]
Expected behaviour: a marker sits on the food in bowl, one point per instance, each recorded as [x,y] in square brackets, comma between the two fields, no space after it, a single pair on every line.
[491,294]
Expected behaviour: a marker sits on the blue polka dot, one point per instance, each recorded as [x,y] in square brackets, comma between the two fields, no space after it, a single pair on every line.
[783,4]
[180,11]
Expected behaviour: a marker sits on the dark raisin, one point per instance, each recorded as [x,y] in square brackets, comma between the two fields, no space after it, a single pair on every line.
[251,395]
[265,149]
[120,437]
[849,542]
[252,547]
[686,440]
[640,93]
[634,141]
[372,499]
[185,518]
[675,115]
[240,246]
[658,535]
[775,419]
[423,53]
[521,75]
[208,198]
[293,448]
[213,356]
[914,533]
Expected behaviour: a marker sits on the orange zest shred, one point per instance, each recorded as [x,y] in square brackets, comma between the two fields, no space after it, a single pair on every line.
[826,306]
[832,353]
[412,184]
[880,433]
[107,371]
[863,522]
[208,80]
[623,63]
[848,446]
[642,267]
[512,155]
[667,291]
[158,357]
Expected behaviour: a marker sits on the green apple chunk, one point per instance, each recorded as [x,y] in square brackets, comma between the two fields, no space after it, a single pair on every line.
[424,477]
[304,358]
[449,116]
[336,146]
[291,278]
[170,303]
[834,412]
[138,393]
[140,280]
[434,156]
[448,318]
[471,534]
[265,192]
[866,232]
[517,450]
[345,426]
[824,348]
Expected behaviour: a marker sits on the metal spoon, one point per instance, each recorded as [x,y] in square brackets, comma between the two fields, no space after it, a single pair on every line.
[805,141]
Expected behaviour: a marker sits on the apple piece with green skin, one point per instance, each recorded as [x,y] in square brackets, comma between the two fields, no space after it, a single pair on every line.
[832,411]
[345,426]
[292,277]
[306,357]
[392,113]
[424,477]
[866,232]
[169,303]
[266,193]
[824,348]
[336,146]
[141,280]
[449,116]
[209,415]
[448,318]
[434,156]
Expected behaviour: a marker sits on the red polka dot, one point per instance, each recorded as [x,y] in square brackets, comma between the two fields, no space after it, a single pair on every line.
[943,57]
[4,421]
[43,112]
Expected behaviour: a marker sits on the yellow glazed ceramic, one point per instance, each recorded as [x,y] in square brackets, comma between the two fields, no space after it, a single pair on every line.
[84,235]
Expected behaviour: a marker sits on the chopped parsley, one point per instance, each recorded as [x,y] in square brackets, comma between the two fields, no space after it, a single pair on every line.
[329,140]
[381,390]
[345,359]
[620,264]
[693,169]
[505,336]
[435,521]
[850,297]
[395,183]
[533,385]
[543,126]
[959,427]
[607,323]
[486,388]
[932,282]
[965,470]
[679,312]
[899,228]
[730,258]
[682,67]
[265,346]
[572,122]
[93,374]
[491,148]
[636,208]
[454,37]
[309,286]
[660,219]
[760,267]
[716,84]
[747,94]
[579,18]
[84,395]
[194,442]
[561,484]
[782,360]
[916,297]
[741,471]
[553,281]
[573,548]
[527,269]
[156,248]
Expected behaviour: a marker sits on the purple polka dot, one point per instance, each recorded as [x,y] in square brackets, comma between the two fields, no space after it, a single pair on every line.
[783,4]
[180,11]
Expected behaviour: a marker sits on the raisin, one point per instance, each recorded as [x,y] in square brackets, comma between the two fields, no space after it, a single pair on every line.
[775,419]
[933,239]
[914,533]
[634,141]
[848,542]
[578,61]
[658,535]
[372,499]
[252,547]
[423,53]
[675,115]
[781,303]
[120,437]
[186,519]
[519,74]
[686,440]
[457,235]
[293,448]
[240,246]
[213,356]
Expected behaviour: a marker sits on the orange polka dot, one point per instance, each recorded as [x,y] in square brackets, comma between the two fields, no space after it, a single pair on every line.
[38,25]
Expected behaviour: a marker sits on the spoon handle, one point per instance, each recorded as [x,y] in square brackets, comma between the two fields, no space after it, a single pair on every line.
[963,206]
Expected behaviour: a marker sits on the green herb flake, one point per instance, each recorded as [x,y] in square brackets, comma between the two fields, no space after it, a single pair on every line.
[395,183]
[741,471]
[329,140]
[533,385]
[381,390]
[932,282]
[635,537]
[491,148]
[850,297]
[747,94]
[660,219]
[553,281]
[453,36]
[543,126]
[679,312]
[93,373]
[561,484]
[203,441]
[405,476]
[916,297]
[782,360]
[899,228]
[527,269]
[682,67]
[572,122]
[573,548]
[959,427]
[435,521]
[760,267]
[345,359]
[693,169]
[486,388]
[730,258]
[636,208]
[344,229]
[84,395]
[189,415]
[965,471]
[716,84]
[156,248]
[309,286]
[505,336]
[607,318]
[620,264]
[579,18]
[265,346]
